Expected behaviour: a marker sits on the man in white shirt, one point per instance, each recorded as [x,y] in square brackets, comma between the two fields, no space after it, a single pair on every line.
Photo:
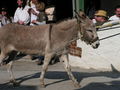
[117,14]
[21,15]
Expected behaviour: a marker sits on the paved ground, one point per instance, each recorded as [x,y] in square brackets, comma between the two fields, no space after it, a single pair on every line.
[27,73]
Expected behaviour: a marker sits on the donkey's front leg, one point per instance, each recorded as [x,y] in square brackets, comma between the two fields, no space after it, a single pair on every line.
[44,68]
[9,69]
[65,60]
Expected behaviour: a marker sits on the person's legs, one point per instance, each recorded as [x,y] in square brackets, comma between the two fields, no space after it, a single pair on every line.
[40,60]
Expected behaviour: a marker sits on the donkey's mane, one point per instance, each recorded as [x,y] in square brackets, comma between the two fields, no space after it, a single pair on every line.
[65,24]
[65,20]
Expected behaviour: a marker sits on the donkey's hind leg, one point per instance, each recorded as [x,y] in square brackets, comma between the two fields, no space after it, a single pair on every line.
[65,60]
[6,55]
[12,78]
[6,58]
[3,56]
[10,60]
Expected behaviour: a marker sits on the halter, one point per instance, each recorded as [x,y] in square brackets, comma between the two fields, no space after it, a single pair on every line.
[82,32]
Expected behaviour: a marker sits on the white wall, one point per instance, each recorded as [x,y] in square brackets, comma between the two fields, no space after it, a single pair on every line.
[105,57]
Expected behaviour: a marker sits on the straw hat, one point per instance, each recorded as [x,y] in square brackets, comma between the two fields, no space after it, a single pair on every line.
[101,13]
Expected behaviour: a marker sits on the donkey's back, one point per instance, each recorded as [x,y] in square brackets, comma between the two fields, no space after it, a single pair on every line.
[28,39]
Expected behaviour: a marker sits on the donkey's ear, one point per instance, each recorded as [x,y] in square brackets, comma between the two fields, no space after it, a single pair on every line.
[82,14]
[76,14]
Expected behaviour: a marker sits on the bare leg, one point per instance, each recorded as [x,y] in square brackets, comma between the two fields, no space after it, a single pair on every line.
[10,60]
[65,60]
[6,59]
[6,56]
[2,58]
[12,78]
[9,69]
[44,68]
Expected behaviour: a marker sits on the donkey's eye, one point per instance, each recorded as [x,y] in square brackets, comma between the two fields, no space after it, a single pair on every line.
[90,31]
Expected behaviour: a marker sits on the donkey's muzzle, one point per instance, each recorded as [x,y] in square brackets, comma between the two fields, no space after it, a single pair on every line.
[96,44]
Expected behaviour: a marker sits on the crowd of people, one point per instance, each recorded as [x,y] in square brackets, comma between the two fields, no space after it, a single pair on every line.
[101,16]
[4,17]
[28,12]
[34,12]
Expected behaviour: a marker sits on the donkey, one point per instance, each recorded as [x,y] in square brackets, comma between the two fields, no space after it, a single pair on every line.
[47,40]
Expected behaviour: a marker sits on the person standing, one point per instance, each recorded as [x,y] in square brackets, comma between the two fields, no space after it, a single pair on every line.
[5,18]
[117,14]
[50,13]
[0,19]
[100,17]
[21,15]
[37,17]
[37,12]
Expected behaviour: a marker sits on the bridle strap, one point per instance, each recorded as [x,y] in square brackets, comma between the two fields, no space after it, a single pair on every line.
[78,24]
[77,16]
[95,40]
[82,33]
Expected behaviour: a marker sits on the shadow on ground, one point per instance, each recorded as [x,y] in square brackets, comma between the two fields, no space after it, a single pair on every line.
[62,76]
[22,87]
[114,85]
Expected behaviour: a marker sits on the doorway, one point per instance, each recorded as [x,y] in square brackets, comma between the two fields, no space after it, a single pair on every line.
[64,9]
[91,6]
[11,6]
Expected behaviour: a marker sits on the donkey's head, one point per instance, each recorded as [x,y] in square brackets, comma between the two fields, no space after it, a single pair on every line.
[87,30]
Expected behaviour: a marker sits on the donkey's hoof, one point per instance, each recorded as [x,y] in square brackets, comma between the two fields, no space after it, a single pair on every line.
[15,84]
[77,85]
[42,85]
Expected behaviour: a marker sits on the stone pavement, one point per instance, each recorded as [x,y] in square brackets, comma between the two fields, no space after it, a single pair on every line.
[27,74]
